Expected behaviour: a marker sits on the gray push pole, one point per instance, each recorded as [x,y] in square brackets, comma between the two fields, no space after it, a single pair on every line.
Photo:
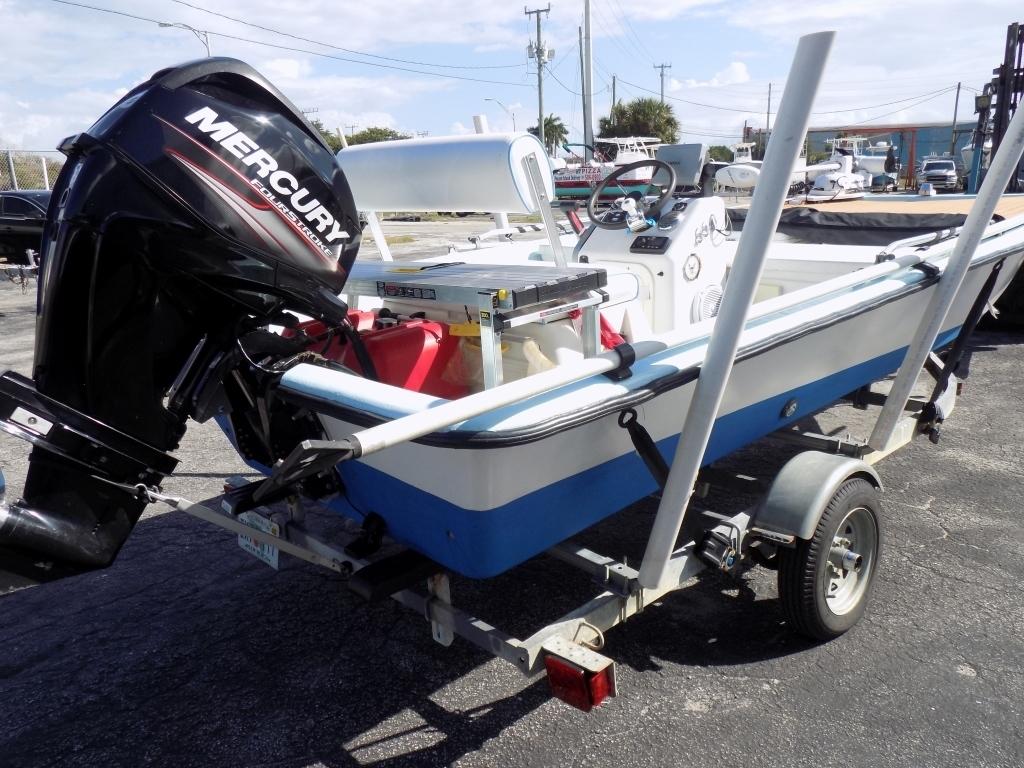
[769,196]
[1001,170]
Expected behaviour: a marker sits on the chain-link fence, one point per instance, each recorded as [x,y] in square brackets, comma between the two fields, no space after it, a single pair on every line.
[25,169]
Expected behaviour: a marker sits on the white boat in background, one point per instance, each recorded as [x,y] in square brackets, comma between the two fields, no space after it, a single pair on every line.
[875,157]
[967,153]
[839,184]
[744,172]
[870,160]
[576,180]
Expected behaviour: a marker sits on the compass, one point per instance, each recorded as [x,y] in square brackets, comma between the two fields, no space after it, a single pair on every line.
[691,267]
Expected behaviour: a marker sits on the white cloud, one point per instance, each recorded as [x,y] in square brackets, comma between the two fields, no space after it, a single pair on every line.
[282,69]
[670,9]
[66,65]
[734,74]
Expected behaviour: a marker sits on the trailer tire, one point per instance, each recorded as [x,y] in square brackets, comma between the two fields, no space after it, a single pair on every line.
[821,600]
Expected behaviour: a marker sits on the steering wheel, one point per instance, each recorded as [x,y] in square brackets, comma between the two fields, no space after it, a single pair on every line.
[612,179]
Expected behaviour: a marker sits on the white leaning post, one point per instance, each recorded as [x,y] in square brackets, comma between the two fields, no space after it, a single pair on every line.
[540,196]
[1002,168]
[372,221]
[481,126]
[769,196]
[378,236]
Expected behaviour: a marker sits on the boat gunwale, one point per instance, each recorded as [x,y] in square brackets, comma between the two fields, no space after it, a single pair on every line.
[467,439]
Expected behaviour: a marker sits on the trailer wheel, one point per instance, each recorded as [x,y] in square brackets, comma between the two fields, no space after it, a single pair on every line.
[824,582]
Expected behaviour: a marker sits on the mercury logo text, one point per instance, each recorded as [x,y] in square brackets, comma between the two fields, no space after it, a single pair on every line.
[301,207]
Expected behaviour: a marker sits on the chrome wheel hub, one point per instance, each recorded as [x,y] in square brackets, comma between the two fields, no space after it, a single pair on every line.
[850,562]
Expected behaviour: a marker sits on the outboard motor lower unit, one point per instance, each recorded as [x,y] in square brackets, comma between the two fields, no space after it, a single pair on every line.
[199,209]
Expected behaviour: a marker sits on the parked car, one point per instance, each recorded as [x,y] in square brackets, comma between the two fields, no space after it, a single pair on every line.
[22,215]
[941,174]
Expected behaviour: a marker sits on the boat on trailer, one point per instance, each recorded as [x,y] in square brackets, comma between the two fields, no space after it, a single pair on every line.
[577,181]
[475,411]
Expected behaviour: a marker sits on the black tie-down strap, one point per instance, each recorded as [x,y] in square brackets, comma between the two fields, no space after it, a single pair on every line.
[958,356]
[645,447]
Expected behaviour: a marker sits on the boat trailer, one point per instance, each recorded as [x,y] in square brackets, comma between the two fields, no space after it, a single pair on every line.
[568,650]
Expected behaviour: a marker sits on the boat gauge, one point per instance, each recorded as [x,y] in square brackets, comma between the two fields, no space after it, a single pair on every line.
[691,267]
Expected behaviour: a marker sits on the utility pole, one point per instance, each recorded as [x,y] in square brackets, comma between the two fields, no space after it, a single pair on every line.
[583,82]
[588,85]
[539,52]
[351,129]
[663,67]
[956,108]
[613,100]
[767,121]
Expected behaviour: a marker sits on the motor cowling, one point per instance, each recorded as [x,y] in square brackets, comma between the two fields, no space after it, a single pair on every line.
[200,207]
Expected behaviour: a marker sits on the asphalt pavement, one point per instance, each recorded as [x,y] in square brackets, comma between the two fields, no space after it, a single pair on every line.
[188,652]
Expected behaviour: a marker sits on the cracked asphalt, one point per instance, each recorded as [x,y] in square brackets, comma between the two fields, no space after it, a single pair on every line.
[187,652]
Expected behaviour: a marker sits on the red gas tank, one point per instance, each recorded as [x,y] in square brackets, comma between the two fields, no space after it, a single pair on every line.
[415,354]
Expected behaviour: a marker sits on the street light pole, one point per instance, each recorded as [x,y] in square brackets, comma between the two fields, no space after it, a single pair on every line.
[202,34]
[508,111]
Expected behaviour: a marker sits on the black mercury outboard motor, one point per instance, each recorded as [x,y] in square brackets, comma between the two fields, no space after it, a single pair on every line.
[201,207]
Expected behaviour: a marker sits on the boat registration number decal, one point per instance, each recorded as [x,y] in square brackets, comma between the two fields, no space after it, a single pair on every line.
[268,553]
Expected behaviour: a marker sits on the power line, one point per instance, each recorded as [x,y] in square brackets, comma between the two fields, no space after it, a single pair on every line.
[566,87]
[565,56]
[692,103]
[599,18]
[933,94]
[889,103]
[908,106]
[629,33]
[339,48]
[298,50]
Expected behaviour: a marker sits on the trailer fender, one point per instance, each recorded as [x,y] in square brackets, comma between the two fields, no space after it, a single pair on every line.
[801,491]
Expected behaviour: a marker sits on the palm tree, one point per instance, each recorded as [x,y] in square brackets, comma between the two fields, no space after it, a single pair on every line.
[641,117]
[555,133]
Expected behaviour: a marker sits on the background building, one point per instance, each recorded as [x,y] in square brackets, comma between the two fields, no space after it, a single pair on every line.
[912,140]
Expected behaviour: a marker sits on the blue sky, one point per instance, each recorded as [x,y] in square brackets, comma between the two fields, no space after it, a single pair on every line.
[894,61]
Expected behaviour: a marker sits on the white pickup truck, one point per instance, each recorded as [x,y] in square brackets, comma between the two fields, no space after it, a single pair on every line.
[941,173]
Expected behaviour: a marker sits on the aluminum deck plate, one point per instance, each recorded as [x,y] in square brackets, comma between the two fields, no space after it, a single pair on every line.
[513,285]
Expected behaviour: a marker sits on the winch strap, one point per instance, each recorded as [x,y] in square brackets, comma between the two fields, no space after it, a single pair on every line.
[645,447]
